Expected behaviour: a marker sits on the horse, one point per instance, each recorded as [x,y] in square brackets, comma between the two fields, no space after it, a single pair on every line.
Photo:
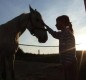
[9,36]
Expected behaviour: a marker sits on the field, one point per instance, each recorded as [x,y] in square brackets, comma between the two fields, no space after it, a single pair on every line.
[45,67]
[38,71]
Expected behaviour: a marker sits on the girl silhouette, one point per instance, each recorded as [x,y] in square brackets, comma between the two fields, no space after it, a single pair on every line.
[67,48]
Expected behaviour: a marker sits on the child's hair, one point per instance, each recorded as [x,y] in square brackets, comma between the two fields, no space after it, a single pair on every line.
[65,19]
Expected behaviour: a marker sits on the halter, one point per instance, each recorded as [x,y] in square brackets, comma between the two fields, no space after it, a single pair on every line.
[35,28]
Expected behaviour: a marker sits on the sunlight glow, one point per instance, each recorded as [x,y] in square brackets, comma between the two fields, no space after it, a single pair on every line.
[81,40]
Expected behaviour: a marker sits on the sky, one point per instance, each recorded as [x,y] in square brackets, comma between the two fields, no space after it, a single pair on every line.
[50,10]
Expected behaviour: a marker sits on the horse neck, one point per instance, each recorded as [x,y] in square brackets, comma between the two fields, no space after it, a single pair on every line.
[15,26]
[23,22]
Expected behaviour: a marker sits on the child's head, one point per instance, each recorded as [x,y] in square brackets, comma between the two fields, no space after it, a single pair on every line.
[63,22]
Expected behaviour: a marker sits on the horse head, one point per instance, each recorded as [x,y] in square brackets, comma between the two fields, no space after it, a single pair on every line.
[36,27]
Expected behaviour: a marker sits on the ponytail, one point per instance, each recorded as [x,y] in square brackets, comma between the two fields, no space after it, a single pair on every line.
[70,27]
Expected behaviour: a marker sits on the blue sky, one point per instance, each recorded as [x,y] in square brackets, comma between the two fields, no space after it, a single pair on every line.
[49,9]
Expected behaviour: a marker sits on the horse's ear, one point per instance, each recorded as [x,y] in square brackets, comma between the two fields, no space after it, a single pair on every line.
[31,9]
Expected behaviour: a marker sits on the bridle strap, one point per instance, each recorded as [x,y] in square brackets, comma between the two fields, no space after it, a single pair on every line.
[31,25]
[35,28]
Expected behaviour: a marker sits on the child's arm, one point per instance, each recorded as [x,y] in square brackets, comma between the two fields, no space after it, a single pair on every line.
[53,33]
[49,29]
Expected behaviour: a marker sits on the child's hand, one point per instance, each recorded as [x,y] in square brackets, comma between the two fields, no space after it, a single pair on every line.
[47,27]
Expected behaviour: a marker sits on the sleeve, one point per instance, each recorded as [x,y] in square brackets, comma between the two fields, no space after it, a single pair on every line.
[54,33]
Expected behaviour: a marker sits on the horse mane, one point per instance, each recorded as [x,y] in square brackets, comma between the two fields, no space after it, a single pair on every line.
[14,20]
[14,23]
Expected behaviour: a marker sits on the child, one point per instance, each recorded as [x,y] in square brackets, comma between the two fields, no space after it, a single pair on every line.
[66,45]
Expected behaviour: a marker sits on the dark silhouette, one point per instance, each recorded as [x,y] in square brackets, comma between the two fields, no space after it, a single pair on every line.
[9,35]
[66,46]
[85,4]
[50,59]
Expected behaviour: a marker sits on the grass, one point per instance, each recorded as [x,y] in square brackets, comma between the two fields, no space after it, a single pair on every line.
[38,71]
[45,67]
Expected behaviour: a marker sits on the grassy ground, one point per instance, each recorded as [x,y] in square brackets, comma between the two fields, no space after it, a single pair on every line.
[45,67]
[38,71]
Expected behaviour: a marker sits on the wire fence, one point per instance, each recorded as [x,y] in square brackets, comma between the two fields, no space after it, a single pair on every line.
[40,46]
[43,49]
